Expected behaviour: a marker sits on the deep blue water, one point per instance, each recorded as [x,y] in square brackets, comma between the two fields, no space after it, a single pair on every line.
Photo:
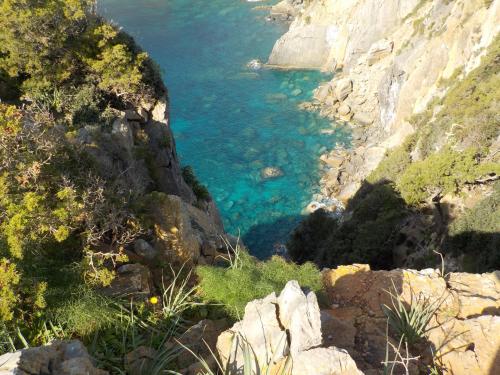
[230,122]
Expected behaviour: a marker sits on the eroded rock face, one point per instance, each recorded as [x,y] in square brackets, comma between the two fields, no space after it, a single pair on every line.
[464,332]
[280,329]
[58,358]
[394,52]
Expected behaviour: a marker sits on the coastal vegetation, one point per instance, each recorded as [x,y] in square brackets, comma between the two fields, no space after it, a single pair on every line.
[449,154]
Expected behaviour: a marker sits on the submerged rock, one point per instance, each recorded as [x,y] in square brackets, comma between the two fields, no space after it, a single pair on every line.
[255,64]
[271,172]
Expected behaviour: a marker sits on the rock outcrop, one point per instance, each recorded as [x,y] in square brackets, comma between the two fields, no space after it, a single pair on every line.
[138,152]
[283,330]
[58,358]
[394,54]
[463,334]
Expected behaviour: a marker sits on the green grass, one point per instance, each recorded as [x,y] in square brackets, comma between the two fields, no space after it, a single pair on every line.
[235,287]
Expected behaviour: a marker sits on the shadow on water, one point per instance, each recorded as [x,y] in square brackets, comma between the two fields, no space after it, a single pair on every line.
[266,239]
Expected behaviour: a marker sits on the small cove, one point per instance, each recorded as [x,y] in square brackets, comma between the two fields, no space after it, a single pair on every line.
[230,122]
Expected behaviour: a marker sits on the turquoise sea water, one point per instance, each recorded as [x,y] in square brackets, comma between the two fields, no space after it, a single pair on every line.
[230,122]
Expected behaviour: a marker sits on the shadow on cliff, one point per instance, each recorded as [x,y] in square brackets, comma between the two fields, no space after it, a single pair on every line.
[380,229]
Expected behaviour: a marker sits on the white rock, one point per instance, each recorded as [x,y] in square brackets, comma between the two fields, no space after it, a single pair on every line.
[301,316]
[324,361]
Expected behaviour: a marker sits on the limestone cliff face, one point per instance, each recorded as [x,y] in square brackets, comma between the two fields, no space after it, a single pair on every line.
[393,55]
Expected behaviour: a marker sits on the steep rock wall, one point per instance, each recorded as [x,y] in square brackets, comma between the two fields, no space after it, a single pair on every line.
[395,56]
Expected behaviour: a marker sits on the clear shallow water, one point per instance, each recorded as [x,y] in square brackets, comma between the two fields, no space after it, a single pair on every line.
[230,122]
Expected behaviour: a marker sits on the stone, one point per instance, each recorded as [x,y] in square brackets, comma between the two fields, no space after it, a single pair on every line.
[322,92]
[343,87]
[464,329]
[289,327]
[260,328]
[144,249]
[122,134]
[379,50]
[255,64]
[296,92]
[314,206]
[300,314]
[199,338]
[271,172]
[131,280]
[132,115]
[139,359]
[363,118]
[332,160]
[344,109]
[324,361]
[58,358]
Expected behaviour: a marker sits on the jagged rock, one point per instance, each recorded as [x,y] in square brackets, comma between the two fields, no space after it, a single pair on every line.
[271,172]
[322,92]
[288,325]
[197,232]
[299,313]
[332,160]
[58,358]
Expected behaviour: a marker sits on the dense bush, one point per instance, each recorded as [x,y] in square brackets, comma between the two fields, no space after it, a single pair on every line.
[442,173]
[364,236]
[476,234]
[234,287]
[53,46]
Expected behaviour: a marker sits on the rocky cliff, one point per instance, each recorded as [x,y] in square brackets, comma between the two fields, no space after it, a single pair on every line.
[390,58]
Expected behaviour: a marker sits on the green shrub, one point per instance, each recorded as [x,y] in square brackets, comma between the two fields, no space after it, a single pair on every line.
[364,236]
[235,287]
[199,190]
[85,312]
[476,233]
[442,173]
[395,162]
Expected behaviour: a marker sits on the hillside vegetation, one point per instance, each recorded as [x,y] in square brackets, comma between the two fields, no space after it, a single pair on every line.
[453,154]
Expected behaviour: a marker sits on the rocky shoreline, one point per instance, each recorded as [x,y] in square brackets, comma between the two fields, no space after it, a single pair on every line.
[386,71]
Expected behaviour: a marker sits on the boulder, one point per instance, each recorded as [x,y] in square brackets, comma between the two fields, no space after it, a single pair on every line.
[131,280]
[324,361]
[200,338]
[322,92]
[58,358]
[281,330]
[343,87]
[271,172]
[344,109]
[144,249]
